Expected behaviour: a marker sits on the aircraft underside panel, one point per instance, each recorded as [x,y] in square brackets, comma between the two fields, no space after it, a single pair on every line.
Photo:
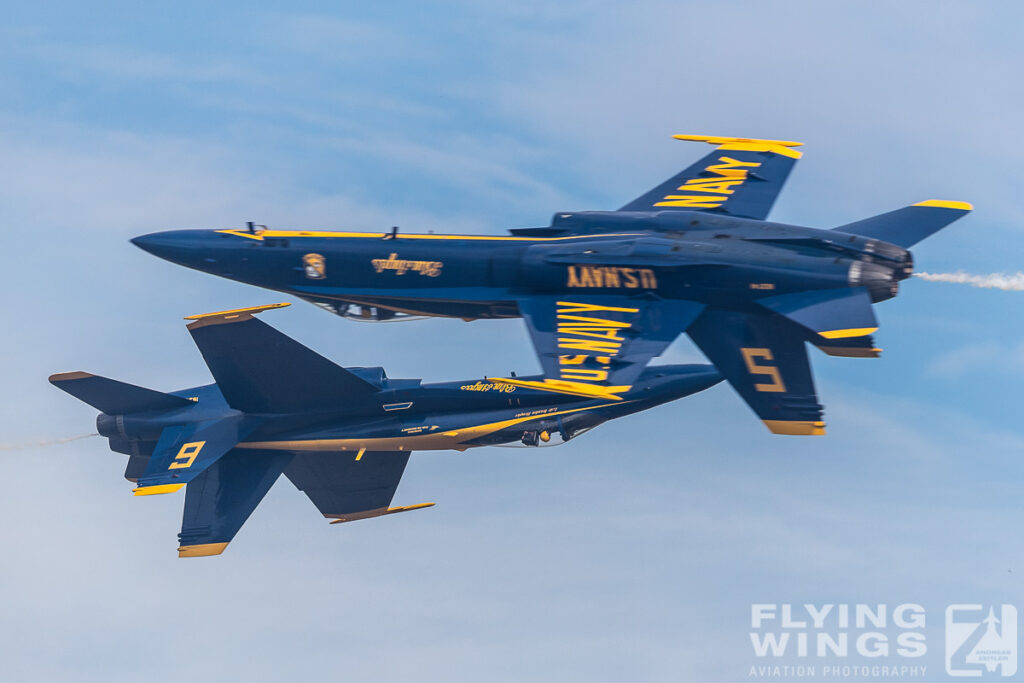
[350,484]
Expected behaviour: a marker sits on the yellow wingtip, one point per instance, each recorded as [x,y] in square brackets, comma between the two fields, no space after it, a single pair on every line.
[237,312]
[946,204]
[725,140]
[852,332]
[69,376]
[795,427]
[780,147]
[202,550]
[368,514]
[154,490]
[851,351]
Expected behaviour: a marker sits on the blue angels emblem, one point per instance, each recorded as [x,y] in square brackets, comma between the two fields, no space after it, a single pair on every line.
[315,266]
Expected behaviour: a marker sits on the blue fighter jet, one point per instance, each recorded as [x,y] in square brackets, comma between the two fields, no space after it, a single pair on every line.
[603,292]
[343,436]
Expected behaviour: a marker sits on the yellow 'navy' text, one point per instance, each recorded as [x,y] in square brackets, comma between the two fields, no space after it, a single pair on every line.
[591,339]
[713,187]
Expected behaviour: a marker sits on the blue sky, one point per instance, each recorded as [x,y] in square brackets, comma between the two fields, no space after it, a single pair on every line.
[633,553]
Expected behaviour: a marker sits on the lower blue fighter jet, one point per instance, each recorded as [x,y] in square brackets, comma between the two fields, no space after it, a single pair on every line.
[343,436]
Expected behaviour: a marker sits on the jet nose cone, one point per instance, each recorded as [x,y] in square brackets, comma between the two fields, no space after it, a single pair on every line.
[165,244]
[191,248]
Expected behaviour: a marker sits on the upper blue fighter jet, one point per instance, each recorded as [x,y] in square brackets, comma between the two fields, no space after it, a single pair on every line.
[603,292]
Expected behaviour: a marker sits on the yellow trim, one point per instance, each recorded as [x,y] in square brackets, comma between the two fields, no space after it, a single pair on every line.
[359,455]
[795,427]
[235,312]
[438,441]
[843,334]
[202,550]
[408,236]
[851,351]
[723,140]
[946,204]
[153,490]
[379,512]
[243,233]
[69,376]
[757,147]
[559,386]
[747,144]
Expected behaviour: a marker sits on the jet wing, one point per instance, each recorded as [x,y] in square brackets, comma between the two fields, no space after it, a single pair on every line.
[221,498]
[261,370]
[765,360]
[742,177]
[597,345]
[346,486]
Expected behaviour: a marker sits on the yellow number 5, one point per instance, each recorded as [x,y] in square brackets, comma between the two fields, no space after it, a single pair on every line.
[187,455]
[751,356]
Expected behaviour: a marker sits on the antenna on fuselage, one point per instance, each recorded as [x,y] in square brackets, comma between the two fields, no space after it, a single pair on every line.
[393,234]
[251,227]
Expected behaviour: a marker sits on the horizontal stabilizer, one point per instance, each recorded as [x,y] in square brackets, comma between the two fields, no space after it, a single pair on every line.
[907,226]
[113,397]
[184,451]
[348,486]
[831,313]
[221,499]
[852,347]
[261,370]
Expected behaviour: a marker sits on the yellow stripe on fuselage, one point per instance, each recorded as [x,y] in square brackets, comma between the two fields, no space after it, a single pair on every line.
[452,438]
[413,236]
[558,386]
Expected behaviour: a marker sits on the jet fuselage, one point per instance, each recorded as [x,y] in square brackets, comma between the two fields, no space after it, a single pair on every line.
[716,260]
[408,415]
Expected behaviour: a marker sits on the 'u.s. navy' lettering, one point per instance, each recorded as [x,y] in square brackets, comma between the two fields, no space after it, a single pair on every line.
[593,338]
[713,188]
[612,277]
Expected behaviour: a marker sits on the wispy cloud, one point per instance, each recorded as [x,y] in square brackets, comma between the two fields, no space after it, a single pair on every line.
[988,357]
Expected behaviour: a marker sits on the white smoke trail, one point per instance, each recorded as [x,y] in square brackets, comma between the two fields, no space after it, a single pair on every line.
[1007,283]
[42,443]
